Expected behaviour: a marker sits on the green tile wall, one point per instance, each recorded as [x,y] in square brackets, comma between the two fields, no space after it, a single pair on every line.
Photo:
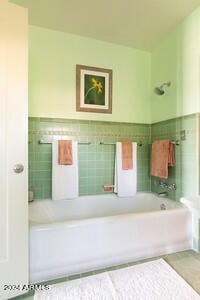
[96,162]
[185,173]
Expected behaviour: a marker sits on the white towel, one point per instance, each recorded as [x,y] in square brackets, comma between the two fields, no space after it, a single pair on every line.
[64,177]
[125,180]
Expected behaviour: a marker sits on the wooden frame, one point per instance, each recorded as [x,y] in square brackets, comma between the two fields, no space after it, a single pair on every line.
[93,89]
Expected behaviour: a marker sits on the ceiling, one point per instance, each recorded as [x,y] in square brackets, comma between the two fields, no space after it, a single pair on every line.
[134,23]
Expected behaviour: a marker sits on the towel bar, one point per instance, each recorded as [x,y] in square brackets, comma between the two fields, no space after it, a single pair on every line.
[50,142]
[102,143]
[177,142]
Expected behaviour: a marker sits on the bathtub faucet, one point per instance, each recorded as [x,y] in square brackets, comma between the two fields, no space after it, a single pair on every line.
[163,194]
[165,185]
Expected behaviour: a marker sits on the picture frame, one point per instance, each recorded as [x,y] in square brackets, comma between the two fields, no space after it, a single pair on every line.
[93,89]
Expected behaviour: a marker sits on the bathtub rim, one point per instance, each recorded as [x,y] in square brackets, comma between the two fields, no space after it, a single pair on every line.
[93,220]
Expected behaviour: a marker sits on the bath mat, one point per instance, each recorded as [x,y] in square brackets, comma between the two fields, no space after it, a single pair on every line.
[154,280]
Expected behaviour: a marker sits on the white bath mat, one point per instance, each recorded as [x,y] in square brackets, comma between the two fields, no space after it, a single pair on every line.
[154,280]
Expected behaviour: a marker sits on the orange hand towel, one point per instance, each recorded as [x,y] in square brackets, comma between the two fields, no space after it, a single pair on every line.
[127,155]
[65,152]
[171,158]
[162,156]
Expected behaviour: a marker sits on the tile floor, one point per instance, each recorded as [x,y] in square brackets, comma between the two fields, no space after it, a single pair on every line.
[185,263]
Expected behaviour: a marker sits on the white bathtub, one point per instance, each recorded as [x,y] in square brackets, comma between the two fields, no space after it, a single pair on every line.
[74,236]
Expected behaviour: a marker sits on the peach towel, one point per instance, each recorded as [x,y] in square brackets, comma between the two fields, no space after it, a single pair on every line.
[162,156]
[65,152]
[171,159]
[127,155]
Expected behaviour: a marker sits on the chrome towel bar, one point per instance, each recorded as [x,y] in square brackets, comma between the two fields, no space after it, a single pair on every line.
[50,142]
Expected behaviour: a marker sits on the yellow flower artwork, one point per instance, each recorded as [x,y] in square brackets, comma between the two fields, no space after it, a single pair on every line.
[97,84]
[93,89]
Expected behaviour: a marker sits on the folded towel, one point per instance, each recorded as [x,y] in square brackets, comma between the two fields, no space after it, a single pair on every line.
[127,155]
[125,180]
[64,177]
[162,156]
[65,152]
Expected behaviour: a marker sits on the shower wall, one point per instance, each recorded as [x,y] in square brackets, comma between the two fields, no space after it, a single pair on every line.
[96,162]
[185,173]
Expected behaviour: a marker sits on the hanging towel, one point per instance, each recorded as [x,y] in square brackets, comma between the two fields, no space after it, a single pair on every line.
[127,155]
[65,152]
[64,177]
[125,180]
[171,158]
[162,156]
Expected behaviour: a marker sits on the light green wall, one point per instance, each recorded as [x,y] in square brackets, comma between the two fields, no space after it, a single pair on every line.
[52,86]
[176,59]
[54,55]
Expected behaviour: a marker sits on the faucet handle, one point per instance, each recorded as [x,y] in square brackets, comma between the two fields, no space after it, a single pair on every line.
[174,186]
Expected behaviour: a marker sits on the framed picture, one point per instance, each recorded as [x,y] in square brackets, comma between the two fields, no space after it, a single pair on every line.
[93,89]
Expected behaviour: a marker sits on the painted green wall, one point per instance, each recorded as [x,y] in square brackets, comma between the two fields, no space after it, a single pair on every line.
[52,86]
[176,59]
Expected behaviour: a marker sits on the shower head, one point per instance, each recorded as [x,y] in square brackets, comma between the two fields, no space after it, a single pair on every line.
[159,90]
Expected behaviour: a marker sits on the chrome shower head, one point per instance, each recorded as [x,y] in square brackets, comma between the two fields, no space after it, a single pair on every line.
[159,90]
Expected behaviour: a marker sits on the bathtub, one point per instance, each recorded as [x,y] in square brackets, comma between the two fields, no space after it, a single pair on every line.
[92,232]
